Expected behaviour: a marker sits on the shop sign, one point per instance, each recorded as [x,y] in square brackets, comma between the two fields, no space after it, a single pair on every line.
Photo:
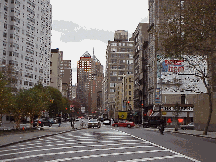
[180,108]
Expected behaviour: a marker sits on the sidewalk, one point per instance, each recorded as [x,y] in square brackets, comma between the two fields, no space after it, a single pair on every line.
[6,140]
[211,135]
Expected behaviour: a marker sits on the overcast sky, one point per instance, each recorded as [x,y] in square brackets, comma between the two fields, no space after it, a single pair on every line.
[80,25]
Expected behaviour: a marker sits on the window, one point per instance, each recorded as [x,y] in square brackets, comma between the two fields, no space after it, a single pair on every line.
[5,8]
[5,26]
[182,98]
[4,34]
[4,43]
[12,1]
[129,93]
[129,86]
[50,63]
[112,90]
[112,84]
[50,71]
[25,82]
[4,52]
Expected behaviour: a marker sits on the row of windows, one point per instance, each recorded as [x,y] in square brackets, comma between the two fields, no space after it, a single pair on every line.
[122,44]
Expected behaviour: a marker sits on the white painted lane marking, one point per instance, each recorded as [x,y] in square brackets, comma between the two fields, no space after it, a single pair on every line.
[153,158]
[174,152]
[67,152]
[109,154]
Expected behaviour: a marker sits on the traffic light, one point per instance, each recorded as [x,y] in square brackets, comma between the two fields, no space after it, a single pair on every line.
[128,102]
[66,108]
[105,109]
[142,105]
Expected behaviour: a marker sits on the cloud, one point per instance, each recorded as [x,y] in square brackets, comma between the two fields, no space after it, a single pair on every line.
[71,32]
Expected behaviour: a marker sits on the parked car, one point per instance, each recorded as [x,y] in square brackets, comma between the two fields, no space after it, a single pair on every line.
[42,122]
[107,122]
[124,123]
[101,119]
[94,123]
[151,123]
[188,126]
[52,120]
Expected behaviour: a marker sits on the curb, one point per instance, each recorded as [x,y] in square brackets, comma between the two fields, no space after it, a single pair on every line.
[190,134]
[31,139]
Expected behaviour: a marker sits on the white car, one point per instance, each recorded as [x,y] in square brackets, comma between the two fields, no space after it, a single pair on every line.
[107,122]
[94,123]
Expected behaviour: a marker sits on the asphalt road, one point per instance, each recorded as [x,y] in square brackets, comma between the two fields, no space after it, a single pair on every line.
[199,148]
[112,144]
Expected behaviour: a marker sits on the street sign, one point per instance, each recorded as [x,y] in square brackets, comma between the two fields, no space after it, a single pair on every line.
[83,109]
[72,107]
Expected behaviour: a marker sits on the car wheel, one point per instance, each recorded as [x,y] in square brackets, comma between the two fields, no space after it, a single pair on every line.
[116,125]
[98,126]
[42,125]
[128,125]
[50,125]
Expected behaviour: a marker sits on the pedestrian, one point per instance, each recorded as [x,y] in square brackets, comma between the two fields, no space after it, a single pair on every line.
[59,121]
[162,125]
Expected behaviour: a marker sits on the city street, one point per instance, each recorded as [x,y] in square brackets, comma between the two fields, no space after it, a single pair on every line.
[112,144]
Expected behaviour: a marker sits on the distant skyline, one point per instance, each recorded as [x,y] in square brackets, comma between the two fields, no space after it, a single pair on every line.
[80,26]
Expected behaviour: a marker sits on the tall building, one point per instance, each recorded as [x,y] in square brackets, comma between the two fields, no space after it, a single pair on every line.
[26,42]
[55,77]
[74,87]
[119,62]
[140,37]
[89,81]
[66,75]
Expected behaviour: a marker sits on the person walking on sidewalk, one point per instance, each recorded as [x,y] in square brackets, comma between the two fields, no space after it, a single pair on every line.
[59,121]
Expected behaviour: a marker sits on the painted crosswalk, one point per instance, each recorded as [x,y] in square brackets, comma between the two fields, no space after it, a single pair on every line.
[90,145]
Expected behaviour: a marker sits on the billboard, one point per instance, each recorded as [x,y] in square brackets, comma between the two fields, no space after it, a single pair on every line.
[179,76]
[122,115]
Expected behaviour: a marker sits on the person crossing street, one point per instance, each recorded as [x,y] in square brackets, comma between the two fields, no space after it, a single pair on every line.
[161,127]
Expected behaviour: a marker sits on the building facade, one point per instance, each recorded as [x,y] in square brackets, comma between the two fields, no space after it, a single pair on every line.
[66,76]
[140,37]
[26,42]
[171,81]
[74,87]
[55,77]
[89,82]
[119,62]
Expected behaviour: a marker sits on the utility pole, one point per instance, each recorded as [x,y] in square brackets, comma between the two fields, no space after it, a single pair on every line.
[160,92]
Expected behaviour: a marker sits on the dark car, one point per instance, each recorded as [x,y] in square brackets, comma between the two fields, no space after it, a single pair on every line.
[188,126]
[124,123]
[42,122]
[151,123]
